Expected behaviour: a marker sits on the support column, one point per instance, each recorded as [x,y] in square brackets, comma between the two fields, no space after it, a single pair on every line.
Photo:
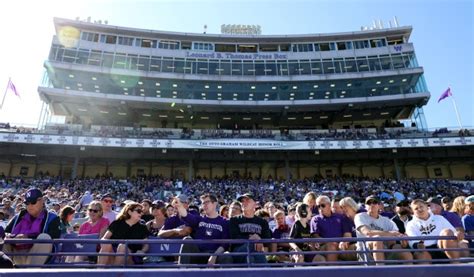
[427,171]
[260,172]
[225,168]
[10,169]
[36,169]
[287,169]
[450,172]
[190,170]
[129,169]
[74,168]
[83,169]
[172,170]
[298,168]
[246,169]
[397,169]
[210,170]
[106,168]
[150,169]
[60,168]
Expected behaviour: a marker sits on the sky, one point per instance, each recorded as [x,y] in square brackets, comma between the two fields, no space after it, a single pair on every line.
[443,32]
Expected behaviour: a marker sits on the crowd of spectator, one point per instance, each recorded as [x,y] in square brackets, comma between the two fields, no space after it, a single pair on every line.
[137,208]
[186,133]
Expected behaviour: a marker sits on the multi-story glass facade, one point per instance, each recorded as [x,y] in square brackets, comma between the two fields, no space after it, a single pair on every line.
[147,71]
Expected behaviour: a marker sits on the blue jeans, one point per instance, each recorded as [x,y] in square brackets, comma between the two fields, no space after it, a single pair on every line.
[253,259]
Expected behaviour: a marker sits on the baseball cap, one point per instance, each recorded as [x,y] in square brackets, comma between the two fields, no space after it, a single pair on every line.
[183,198]
[372,198]
[107,195]
[157,204]
[246,195]
[469,199]
[32,195]
[434,200]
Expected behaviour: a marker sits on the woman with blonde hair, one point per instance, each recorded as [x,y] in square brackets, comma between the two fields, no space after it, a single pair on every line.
[126,226]
[459,206]
[310,200]
[97,224]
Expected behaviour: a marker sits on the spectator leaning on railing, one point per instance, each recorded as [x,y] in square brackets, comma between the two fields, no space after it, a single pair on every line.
[35,222]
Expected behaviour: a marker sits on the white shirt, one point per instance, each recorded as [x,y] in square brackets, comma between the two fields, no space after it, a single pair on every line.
[430,227]
[111,216]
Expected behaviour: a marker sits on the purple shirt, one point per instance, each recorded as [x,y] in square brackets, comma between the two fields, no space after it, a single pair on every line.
[453,218]
[206,228]
[330,227]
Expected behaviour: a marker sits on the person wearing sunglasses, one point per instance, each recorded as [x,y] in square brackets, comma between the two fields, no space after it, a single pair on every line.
[371,224]
[34,222]
[127,226]
[107,201]
[96,224]
[328,224]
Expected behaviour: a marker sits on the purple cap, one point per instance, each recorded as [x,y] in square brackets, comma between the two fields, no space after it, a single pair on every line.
[32,195]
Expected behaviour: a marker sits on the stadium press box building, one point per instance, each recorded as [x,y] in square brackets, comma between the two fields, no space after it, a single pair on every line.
[141,101]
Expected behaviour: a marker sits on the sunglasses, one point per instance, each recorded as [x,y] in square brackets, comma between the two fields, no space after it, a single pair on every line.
[321,206]
[93,211]
[372,202]
[140,211]
[33,202]
[108,201]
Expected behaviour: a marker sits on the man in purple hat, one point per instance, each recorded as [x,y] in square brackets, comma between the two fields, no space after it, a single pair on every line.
[34,222]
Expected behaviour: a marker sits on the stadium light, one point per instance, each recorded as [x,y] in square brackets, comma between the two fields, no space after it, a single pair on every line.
[173,104]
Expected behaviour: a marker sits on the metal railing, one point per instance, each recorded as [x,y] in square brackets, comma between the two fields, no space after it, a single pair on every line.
[56,258]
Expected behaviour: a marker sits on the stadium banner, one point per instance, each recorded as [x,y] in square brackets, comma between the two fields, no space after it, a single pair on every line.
[255,144]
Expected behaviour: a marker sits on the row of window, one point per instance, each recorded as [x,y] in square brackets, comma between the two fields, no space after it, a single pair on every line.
[233,67]
[245,48]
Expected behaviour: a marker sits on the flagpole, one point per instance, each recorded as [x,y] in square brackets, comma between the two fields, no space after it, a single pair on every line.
[456,110]
[5,93]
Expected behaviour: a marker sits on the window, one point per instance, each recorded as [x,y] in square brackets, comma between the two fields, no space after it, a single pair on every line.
[324,47]
[377,43]
[361,44]
[231,48]
[341,45]
[125,41]
[147,43]
[167,44]
[203,46]
[186,45]
[247,48]
[285,47]
[109,39]
[268,48]
[94,37]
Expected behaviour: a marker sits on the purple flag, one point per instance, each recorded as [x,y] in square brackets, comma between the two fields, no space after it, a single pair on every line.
[12,87]
[445,94]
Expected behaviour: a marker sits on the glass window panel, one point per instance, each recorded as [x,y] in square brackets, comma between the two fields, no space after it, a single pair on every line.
[282,68]
[236,67]
[203,67]
[249,68]
[324,47]
[293,67]
[213,67]
[350,65]
[143,63]
[52,53]
[155,64]
[82,56]
[339,65]
[188,66]
[69,55]
[225,66]
[385,62]
[179,65]
[362,64]
[95,58]
[120,61]
[374,64]
[132,61]
[316,67]
[270,68]
[259,68]
[107,59]
[328,67]
[305,67]
[168,65]
[397,61]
